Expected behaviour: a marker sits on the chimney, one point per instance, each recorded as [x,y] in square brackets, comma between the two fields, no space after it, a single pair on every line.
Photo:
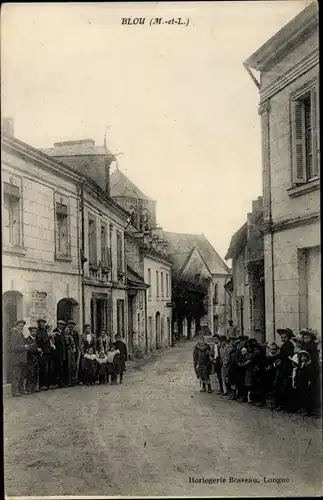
[8,126]
[81,142]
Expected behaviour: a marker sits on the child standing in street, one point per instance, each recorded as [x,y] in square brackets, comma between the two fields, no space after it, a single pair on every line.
[101,360]
[89,367]
[113,364]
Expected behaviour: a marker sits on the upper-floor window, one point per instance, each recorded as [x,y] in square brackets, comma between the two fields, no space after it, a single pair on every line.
[11,214]
[120,266]
[305,141]
[162,283]
[149,282]
[216,293]
[105,250]
[92,241]
[167,285]
[62,246]
[157,283]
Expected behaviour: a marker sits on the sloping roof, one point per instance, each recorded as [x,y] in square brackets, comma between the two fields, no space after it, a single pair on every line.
[285,39]
[238,240]
[121,185]
[181,243]
[178,260]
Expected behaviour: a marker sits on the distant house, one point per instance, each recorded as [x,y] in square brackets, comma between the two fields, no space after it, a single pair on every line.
[290,122]
[247,253]
[199,277]
[148,257]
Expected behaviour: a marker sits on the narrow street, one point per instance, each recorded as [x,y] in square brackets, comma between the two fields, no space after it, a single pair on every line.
[150,435]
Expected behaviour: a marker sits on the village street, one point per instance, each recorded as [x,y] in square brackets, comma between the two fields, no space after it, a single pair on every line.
[150,435]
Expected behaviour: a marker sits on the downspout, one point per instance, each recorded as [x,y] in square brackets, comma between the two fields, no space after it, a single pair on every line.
[146,323]
[83,259]
[264,110]
[268,166]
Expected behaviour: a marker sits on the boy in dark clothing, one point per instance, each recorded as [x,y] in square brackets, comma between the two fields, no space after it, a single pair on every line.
[202,363]
[302,380]
[121,346]
[33,358]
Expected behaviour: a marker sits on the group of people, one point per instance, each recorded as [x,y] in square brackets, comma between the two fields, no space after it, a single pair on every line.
[61,357]
[285,377]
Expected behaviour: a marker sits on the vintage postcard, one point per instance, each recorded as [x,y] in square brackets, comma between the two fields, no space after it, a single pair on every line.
[161,258]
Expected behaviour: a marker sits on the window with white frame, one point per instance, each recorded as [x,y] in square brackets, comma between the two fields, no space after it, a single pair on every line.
[62,246]
[11,215]
[162,284]
[305,141]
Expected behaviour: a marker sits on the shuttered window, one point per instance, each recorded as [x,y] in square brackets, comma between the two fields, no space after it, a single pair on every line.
[11,215]
[305,141]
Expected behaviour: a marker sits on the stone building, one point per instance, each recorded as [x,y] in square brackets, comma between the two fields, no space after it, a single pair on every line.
[247,253]
[102,236]
[40,245]
[199,277]
[147,256]
[289,108]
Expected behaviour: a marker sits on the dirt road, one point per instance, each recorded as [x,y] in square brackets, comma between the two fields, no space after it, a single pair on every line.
[151,436]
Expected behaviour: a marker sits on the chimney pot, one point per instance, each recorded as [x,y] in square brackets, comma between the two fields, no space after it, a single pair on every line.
[8,126]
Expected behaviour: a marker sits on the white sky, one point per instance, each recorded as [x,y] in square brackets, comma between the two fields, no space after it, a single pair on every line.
[179,103]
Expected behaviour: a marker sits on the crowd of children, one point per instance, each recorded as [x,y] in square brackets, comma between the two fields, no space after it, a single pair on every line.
[61,357]
[285,377]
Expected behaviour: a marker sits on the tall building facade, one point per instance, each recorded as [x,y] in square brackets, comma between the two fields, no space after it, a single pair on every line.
[40,245]
[289,108]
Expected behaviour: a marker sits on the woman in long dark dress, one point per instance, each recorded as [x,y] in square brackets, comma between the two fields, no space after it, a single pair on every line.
[69,362]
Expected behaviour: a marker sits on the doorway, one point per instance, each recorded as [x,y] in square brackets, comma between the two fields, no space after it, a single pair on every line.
[12,310]
[130,324]
[67,309]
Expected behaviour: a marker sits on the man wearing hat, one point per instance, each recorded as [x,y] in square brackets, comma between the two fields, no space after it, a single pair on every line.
[60,352]
[19,350]
[76,337]
[33,358]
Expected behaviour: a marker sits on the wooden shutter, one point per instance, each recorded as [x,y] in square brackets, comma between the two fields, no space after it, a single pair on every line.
[315,125]
[298,142]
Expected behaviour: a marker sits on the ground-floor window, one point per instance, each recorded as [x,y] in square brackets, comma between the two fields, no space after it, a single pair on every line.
[310,288]
[120,317]
[101,313]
